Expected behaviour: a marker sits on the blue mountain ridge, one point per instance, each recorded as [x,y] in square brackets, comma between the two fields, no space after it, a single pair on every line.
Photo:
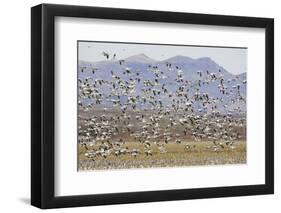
[140,63]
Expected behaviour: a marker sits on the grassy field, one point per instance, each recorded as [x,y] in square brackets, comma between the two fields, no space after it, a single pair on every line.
[176,156]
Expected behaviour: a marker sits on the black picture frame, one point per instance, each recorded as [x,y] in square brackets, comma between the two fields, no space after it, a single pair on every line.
[43,105]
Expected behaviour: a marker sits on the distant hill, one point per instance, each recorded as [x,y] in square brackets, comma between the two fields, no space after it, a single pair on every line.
[141,58]
[189,66]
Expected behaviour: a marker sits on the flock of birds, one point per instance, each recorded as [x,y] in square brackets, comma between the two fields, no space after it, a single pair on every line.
[125,107]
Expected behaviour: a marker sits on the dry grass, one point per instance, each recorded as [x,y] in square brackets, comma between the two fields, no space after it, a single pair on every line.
[176,156]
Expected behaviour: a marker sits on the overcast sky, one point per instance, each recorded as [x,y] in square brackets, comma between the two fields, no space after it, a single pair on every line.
[233,60]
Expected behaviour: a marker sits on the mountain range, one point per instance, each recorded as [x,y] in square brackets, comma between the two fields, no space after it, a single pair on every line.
[190,67]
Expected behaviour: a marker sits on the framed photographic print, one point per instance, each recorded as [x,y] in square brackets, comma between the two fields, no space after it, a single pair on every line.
[139,106]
